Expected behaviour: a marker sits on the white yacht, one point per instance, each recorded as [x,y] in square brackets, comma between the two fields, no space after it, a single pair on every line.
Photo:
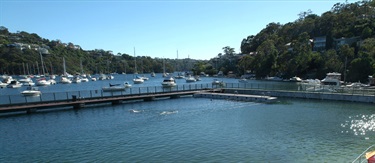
[295,79]
[14,84]
[2,85]
[180,76]
[42,82]
[31,91]
[169,82]
[76,79]
[144,77]
[26,81]
[215,82]
[332,79]
[138,80]
[65,80]
[84,79]
[190,79]
[127,85]
[113,88]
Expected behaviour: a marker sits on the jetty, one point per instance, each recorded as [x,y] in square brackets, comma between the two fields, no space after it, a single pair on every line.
[237,97]
[77,103]
[229,91]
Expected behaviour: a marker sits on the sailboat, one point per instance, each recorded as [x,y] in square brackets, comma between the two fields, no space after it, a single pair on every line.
[164,73]
[83,75]
[64,78]
[179,74]
[137,79]
[43,81]
[126,84]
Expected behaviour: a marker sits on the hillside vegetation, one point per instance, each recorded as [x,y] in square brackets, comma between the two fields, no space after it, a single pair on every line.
[340,40]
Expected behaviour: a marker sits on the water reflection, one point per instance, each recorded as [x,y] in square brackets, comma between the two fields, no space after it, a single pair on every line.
[359,124]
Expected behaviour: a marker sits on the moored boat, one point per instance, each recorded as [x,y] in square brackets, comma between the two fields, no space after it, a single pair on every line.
[333,79]
[190,79]
[42,82]
[65,80]
[138,80]
[84,79]
[180,76]
[295,79]
[2,85]
[127,85]
[31,91]
[113,88]
[14,84]
[169,82]
[76,79]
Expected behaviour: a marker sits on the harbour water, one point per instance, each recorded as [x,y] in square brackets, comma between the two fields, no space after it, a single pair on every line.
[191,129]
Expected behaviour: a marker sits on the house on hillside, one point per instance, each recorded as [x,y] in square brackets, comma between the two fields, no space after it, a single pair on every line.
[43,50]
[319,43]
[337,43]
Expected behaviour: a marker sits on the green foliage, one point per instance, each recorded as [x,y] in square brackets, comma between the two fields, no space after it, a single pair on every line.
[292,47]
[277,50]
[14,58]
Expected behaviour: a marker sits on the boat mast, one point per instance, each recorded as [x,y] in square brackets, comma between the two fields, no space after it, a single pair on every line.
[80,60]
[24,70]
[64,73]
[125,66]
[27,67]
[135,63]
[37,67]
[51,68]
[163,65]
[41,59]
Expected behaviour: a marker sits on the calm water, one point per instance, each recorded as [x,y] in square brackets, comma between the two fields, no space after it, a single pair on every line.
[192,130]
[120,79]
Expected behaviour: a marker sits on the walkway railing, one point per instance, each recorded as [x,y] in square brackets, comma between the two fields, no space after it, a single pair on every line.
[87,94]
[327,89]
[63,96]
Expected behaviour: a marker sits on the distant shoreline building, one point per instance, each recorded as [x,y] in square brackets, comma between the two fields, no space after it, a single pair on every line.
[319,43]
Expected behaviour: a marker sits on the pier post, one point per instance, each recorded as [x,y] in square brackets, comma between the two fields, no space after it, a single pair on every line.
[151,98]
[175,96]
[116,102]
[78,105]
[31,110]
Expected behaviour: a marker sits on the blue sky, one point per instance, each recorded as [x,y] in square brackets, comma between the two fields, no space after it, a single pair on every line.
[156,28]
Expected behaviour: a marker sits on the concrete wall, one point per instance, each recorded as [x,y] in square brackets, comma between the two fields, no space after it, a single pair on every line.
[308,95]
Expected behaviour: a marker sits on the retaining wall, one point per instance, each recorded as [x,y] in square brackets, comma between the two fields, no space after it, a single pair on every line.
[307,95]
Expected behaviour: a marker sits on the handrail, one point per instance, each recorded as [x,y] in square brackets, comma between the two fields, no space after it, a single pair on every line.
[9,99]
[364,152]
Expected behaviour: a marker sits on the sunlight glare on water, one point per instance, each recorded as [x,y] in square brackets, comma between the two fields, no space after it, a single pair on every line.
[359,124]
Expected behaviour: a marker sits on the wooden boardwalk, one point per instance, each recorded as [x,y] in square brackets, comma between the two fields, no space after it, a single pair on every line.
[80,103]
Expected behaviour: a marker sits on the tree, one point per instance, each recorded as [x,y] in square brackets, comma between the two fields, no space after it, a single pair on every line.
[304,14]
[360,69]
[246,63]
[265,59]
[228,50]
